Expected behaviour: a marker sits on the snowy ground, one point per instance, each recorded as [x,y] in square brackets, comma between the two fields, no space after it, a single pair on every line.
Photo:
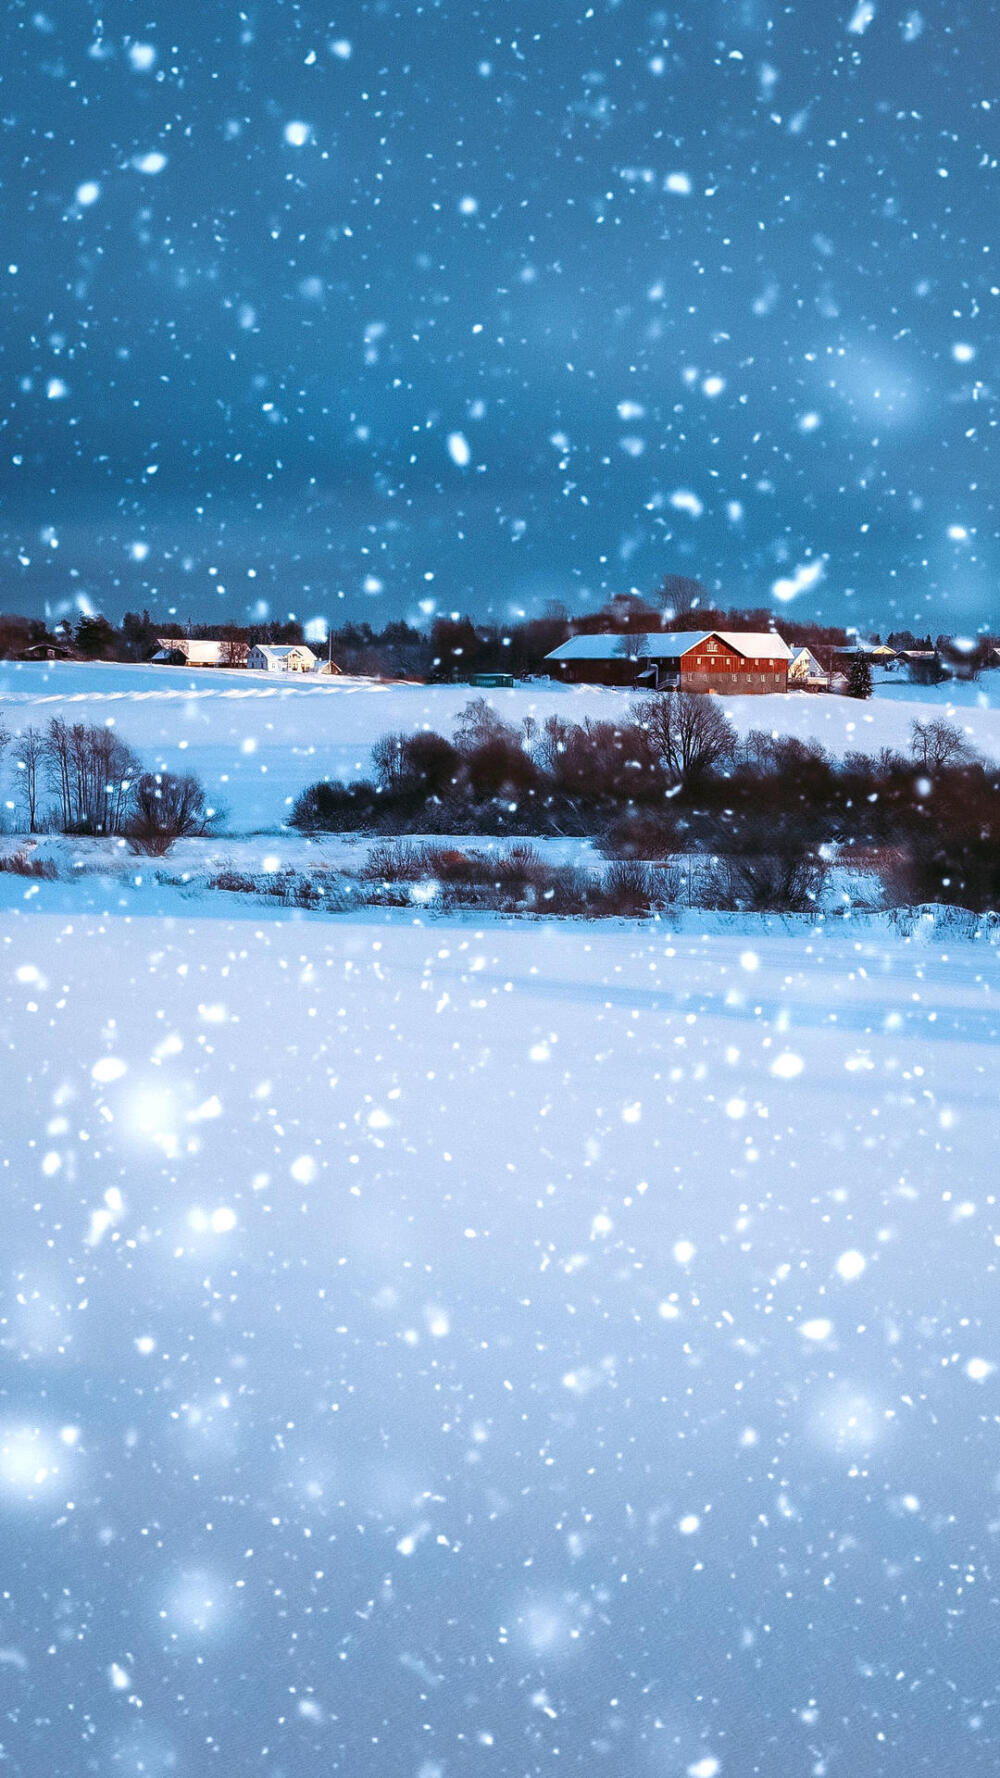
[513,1351]
[954,694]
[257,740]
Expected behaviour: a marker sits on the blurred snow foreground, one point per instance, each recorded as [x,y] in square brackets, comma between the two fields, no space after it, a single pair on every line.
[523,1351]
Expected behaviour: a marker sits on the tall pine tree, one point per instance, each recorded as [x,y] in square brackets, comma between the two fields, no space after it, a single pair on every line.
[859,677]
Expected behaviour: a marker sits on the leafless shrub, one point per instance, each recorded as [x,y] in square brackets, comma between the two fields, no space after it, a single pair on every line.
[514,879]
[788,882]
[422,764]
[878,767]
[165,808]
[642,833]
[521,866]
[446,864]
[22,863]
[393,862]
[893,870]
[235,882]
[626,890]
[562,890]
[541,889]
[289,887]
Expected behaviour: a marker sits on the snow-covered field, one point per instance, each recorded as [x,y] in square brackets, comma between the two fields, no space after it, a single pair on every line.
[431,1350]
[435,1346]
[257,741]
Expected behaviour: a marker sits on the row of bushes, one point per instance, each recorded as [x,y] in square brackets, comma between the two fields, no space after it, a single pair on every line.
[520,880]
[676,777]
[494,778]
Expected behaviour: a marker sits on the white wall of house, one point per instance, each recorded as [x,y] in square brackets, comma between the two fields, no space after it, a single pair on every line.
[283,660]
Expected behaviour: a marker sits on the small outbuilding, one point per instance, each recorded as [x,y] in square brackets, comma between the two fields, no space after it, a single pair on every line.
[49,651]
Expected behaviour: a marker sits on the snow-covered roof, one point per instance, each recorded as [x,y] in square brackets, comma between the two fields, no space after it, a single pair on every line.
[669,645]
[592,648]
[646,645]
[757,644]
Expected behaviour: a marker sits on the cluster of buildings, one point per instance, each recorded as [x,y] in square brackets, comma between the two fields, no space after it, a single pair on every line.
[742,661]
[262,657]
[726,661]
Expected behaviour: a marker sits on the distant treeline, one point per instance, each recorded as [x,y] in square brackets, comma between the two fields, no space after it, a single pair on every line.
[451,647]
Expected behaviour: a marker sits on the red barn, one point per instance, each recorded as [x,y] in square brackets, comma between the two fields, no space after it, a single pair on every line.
[725,661]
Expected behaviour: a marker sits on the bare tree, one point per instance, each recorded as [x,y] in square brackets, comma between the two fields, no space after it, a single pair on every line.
[234,650]
[551,744]
[57,761]
[93,773]
[30,756]
[479,725]
[389,760]
[679,594]
[936,744]
[686,733]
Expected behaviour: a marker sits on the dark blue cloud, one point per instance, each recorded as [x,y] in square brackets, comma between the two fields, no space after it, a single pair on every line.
[703,290]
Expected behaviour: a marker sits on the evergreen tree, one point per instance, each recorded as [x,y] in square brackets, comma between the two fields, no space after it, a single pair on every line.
[96,639]
[859,677]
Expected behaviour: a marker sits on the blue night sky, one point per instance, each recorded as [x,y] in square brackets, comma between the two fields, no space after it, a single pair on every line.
[345,312]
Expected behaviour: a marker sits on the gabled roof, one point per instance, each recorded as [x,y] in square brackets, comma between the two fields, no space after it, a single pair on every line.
[805,657]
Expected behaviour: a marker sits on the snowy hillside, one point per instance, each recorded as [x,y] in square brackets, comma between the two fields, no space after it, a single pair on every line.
[257,740]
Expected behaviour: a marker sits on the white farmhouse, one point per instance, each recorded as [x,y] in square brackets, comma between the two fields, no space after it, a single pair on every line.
[806,674]
[285,657]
